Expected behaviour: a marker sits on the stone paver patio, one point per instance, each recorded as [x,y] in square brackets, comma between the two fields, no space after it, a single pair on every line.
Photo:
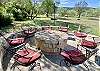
[52,63]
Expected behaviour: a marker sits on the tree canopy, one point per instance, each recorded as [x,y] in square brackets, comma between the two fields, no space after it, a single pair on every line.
[80,7]
[48,7]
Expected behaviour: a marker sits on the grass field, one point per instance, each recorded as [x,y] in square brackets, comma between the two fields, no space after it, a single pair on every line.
[88,25]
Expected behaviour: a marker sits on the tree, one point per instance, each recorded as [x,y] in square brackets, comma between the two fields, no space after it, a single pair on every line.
[71,13]
[80,7]
[62,11]
[5,18]
[22,9]
[48,7]
[1,1]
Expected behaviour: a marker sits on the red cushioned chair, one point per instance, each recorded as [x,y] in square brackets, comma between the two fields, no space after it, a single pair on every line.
[26,57]
[46,28]
[89,44]
[80,34]
[63,29]
[73,57]
[14,41]
[29,32]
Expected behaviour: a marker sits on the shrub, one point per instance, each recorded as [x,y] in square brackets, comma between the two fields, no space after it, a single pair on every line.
[5,18]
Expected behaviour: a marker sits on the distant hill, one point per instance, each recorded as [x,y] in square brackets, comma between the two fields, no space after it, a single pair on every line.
[70,8]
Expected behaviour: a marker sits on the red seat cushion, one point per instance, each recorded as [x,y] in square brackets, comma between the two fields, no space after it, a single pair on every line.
[24,52]
[74,56]
[29,32]
[89,44]
[80,34]
[75,60]
[71,53]
[63,29]
[16,41]
[29,58]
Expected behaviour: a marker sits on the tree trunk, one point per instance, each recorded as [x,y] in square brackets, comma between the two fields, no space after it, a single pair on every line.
[79,15]
[34,17]
[47,14]
[31,14]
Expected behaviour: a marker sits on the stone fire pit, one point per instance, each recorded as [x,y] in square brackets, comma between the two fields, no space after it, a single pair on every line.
[50,40]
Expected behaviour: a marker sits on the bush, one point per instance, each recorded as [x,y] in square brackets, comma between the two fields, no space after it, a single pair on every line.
[5,18]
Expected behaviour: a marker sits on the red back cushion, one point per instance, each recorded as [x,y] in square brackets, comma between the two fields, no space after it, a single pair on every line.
[64,30]
[80,34]
[16,41]
[89,44]
[29,32]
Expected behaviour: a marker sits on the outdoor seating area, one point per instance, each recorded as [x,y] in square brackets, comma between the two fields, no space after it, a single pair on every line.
[49,44]
[49,35]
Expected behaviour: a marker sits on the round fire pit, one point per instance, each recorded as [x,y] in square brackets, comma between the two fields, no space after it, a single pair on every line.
[50,41]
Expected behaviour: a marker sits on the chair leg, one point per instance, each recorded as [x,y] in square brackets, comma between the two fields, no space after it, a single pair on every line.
[18,69]
[67,63]
[86,66]
[38,64]
[15,64]
[32,66]
[61,61]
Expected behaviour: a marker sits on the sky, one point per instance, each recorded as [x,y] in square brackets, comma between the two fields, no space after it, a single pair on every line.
[71,3]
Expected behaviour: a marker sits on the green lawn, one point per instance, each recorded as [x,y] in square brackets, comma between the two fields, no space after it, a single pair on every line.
[91,24]
[88,25]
